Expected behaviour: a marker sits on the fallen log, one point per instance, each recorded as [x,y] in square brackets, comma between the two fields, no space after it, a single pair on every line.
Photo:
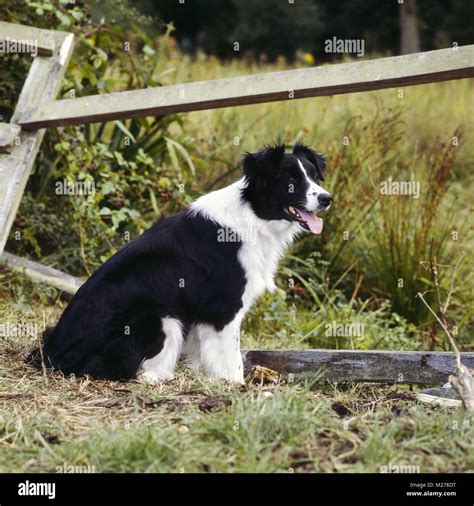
[411,367]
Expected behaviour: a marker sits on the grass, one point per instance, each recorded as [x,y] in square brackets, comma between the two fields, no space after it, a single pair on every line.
[194,424]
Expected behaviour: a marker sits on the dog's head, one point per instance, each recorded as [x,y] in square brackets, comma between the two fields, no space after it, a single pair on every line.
[286,186]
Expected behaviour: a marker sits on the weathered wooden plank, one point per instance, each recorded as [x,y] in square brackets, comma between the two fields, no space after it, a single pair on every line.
[27,39]
[407,70]
[39,272]
[8,133]
[374,366]
[41,85]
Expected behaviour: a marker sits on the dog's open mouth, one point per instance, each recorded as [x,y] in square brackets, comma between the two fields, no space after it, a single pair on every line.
[306,219]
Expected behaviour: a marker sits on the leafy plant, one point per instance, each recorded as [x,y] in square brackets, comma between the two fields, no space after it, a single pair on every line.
[136,170]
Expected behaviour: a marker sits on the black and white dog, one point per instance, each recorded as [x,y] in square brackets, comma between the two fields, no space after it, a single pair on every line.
[184,286]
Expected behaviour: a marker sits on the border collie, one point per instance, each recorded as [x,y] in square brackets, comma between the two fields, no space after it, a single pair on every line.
[184,286]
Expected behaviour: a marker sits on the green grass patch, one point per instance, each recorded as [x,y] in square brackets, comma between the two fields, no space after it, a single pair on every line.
[50,423]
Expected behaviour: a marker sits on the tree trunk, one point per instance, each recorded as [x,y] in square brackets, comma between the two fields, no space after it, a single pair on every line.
[409,34]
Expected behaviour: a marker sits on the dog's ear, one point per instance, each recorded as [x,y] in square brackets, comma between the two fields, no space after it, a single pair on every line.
[264,163]
[316,159]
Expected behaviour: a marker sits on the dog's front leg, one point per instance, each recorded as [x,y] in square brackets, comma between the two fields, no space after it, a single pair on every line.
[220,351]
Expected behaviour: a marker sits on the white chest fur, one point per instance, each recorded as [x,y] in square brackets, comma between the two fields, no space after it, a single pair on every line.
[259,258]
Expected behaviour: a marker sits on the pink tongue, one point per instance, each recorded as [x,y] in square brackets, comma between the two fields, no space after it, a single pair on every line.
[315,223]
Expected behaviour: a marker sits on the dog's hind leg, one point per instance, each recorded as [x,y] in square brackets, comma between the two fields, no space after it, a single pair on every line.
[160,368]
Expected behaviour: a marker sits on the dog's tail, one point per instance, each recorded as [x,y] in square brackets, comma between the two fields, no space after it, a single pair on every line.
[35,357]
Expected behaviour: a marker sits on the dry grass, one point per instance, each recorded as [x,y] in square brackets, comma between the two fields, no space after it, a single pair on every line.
[195,424]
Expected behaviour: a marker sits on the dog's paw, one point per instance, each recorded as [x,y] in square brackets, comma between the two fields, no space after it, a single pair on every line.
[155,377]
[233,377]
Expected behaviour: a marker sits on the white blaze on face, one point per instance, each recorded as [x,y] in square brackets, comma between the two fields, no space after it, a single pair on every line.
[313,190]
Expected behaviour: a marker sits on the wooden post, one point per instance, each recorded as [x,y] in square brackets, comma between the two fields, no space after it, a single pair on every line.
[9,133]
[28,39]
[41,85]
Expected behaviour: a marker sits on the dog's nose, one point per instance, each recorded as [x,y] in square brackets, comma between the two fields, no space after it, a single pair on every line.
[324,199]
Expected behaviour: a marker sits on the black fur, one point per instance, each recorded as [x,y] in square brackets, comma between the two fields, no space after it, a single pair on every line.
[317,161]
[113,322]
